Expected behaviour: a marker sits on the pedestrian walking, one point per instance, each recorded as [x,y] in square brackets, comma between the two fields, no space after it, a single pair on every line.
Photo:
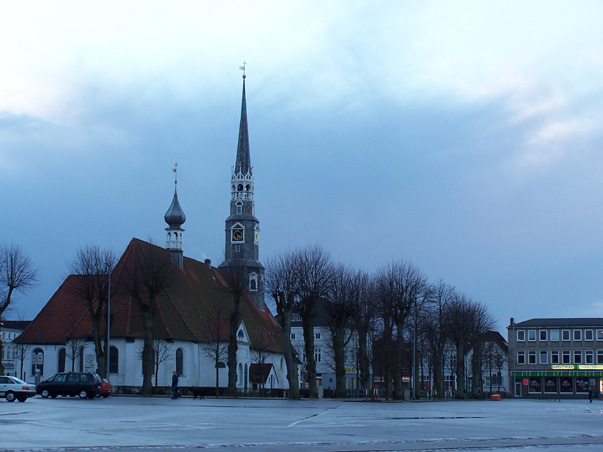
[175,385]
[590,395]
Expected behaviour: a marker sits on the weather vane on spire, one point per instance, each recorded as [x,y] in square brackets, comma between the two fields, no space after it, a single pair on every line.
[175,171]
[243,68]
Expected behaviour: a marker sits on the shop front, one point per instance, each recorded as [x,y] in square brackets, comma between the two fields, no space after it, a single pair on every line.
[560,381]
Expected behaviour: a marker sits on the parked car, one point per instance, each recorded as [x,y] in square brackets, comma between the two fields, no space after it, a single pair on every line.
[107,388]
[84,384]
[14,388]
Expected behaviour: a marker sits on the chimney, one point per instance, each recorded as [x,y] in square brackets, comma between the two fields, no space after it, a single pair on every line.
[208,263]
[511,321]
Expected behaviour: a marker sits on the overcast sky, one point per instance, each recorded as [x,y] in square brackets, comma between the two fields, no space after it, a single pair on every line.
[462,136]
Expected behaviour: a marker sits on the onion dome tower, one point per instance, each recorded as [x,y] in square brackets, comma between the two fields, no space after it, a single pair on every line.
[175,218]
[242,227]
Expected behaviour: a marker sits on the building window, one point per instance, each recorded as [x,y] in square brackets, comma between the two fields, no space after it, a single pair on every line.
[292,335]
[317,335]
[543,357]
[531,335]
[550,385]
[599,356]
[588,335]
[113,360]
[543,335]
[566,357]
[577,356]
[555,357]
[521,357]
[554,335]
[600,335]
[37,362]
[317,355]
[589,357]
[180,361]
[521,335]
[532,357]
[239,207]
[577,335]
[61,364]
[253,282]
[565,335]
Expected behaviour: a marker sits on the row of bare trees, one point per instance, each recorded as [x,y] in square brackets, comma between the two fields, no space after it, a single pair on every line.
[411,321]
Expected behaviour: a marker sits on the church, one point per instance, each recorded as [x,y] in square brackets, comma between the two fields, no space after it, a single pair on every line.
[191,317]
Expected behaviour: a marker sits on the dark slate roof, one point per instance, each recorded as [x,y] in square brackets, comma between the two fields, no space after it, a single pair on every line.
[562,322]
[496,337]
[258,373]
[15,324]
[186,311]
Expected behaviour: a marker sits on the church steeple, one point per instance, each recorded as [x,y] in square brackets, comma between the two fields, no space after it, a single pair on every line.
[175,218]
[242,227]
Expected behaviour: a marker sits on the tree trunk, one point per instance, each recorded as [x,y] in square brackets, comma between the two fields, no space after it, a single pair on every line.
[147,354]
[339,352]
[460,371]
[292,378]
[363,361]
[233,347]
[308,324]
[397,371]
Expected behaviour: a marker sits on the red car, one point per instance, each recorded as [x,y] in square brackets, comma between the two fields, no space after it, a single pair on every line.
[106,388]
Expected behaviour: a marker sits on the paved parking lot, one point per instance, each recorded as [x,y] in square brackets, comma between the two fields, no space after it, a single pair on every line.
[137,423]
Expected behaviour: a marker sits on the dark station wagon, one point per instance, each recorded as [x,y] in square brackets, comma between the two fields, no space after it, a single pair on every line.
[83,384]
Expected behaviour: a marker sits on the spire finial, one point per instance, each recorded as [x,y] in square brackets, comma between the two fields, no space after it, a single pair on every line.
[243,68]
[175,171]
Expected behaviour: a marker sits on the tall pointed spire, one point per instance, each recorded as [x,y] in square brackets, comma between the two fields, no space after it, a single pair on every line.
[243,162]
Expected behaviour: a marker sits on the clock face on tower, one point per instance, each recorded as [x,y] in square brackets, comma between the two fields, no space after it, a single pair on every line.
[237,235]
[257,236]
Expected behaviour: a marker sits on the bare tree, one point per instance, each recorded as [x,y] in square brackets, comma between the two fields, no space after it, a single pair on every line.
[21,351]
[481,323]
[314,270]
[435,332]
[162,350]
[362,314]
[92,265]
[216,348]
[338,308]
[74,350]
[281,283]
[17,273]
[399,286]
[153,272]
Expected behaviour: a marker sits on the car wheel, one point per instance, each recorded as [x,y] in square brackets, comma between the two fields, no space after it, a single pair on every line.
[10,396]
[21,398]
[45,393]
[105,395]
[83,394]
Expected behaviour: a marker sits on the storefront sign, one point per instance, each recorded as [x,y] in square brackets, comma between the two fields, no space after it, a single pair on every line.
[562,367]
[590,367]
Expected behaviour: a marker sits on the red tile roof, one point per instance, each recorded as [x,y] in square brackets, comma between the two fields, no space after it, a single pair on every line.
[198,299]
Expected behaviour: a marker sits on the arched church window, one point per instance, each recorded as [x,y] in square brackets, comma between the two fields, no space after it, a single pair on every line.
[180,361]
[253,282]
[240,187]
[247,187]
[240,375]
[239,207]
[37,362]
[113,360]
[241,335]
[61,363]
